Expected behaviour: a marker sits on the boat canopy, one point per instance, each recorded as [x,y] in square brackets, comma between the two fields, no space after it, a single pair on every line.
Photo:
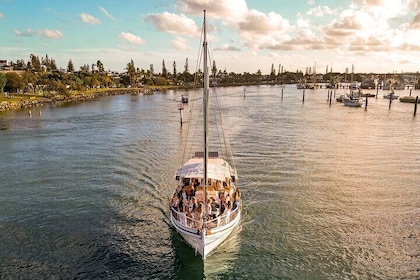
[217,169]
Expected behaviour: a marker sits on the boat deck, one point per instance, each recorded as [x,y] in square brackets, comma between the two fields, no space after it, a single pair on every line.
[188,207]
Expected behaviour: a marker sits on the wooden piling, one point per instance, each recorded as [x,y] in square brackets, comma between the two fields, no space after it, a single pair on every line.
[281,94]
[366,102]
[415,105]
[180,108]
[303,97]
[390,100]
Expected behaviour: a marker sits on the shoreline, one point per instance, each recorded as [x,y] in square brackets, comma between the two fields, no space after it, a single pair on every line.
[22,101]
[25,100]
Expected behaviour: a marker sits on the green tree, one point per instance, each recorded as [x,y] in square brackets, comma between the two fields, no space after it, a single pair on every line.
[164,71]
[20,65]
[100,66]
[53,65]
[214,69]
[70,67]
[34,63]
[29,79]
[131,71]
[272,72]
[3,81]
[14,82]
[125,80]
[174,65]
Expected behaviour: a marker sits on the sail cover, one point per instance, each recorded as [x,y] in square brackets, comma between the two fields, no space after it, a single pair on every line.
[216,169]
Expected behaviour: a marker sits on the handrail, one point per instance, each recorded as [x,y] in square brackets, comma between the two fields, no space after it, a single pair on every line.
[216,222]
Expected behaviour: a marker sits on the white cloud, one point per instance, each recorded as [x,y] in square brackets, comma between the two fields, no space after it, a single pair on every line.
[382,8]
[106,13]
[180,44]
[174,24]
[261,23]
[86,18]
[229,11]
[320,11]
[50,34]
[131,38]
[363,27]
[226,47]
[28,32]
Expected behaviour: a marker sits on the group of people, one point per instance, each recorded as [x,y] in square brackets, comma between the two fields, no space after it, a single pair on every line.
[188,200]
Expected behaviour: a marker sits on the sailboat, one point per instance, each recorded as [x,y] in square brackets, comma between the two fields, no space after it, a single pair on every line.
[206,205]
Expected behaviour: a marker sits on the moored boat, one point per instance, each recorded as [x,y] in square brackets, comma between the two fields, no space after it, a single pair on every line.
[353,102]
[409,99]
[391,95]
[184,98]
[342,98]
[368,94]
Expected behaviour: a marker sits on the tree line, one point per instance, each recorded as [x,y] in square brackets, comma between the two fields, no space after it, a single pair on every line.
[43,76]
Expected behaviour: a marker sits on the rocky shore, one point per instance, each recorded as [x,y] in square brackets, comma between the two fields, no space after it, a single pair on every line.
[25,102]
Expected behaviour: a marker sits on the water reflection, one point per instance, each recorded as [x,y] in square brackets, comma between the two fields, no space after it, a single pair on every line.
[220,264]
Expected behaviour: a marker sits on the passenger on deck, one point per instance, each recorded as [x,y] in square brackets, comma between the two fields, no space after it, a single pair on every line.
[195,204]
[190,192]
[222,208]
[208,206]
[235,205]
[184,200]
[228,201]
[175,202]
[196,216]
[190,205]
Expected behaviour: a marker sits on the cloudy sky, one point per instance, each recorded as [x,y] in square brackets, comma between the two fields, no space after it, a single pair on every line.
[381,36]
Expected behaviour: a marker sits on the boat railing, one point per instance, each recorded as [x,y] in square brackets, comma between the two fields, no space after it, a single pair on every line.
[190,222]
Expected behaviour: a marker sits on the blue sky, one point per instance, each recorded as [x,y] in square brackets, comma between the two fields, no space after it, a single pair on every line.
[381,36]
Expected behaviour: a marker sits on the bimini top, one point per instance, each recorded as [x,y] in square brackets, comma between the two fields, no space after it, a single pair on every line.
[217,168]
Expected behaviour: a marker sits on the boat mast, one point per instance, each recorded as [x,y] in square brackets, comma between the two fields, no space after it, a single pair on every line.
[205,114]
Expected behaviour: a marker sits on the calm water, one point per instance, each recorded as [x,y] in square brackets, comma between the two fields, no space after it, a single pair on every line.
[330,192]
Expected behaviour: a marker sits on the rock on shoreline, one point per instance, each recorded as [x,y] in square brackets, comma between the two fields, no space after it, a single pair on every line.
[81,96]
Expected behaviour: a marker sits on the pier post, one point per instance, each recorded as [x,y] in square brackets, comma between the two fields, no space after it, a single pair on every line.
[303,97]
[377,89]
[180,108]
[390,100]
[410,91]
[281,94]
[415,105]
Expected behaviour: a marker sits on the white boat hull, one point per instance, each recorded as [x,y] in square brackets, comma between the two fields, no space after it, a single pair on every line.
[205,243]
[353,103]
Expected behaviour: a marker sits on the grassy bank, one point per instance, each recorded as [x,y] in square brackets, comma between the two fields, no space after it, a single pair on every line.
[19,101]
